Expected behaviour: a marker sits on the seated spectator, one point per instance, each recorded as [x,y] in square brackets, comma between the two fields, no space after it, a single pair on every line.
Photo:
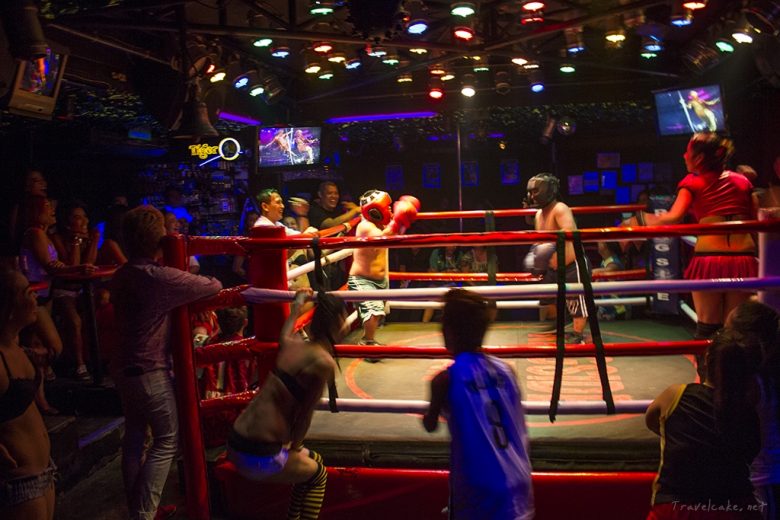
[754,319]
[709,436]
[110,251]
[27,473]
[610,262]
[76,244]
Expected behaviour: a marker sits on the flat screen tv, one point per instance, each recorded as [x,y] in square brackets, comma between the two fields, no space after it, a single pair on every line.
[36,85]
[289,146]
[689,110]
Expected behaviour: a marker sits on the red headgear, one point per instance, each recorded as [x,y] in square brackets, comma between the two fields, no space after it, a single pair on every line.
[375,207]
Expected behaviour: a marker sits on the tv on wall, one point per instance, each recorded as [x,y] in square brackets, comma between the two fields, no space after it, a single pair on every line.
[289,146]
[37,84]
[689,110]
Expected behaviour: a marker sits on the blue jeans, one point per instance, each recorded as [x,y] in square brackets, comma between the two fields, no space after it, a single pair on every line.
[148,400]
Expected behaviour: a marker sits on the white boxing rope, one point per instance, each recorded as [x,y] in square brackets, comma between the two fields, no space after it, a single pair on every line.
[513,304]
[689,312]
[531,407]
[256,295]
[327,259]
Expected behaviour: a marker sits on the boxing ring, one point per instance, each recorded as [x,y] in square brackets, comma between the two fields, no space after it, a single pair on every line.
[376,473]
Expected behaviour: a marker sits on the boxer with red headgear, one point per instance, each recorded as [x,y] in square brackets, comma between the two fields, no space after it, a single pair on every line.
[369,265]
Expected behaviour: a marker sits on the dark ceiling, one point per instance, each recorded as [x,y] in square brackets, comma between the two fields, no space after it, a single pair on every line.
[126,55]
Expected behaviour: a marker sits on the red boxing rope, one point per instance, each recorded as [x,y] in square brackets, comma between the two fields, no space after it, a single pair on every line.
[626,274]
[199,245]
[246,348]
[529,212]
[498,238]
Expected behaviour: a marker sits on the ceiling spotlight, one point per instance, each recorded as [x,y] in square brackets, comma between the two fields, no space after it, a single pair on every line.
[463,32]
[467,89]
[695,4]
[532,12]
[437,70]
[280,52]
[764,15]
[531,65]
[648,55]
[536,80]
[447,76]
[376,51]
[519,60]
[405,78]
[533,6]
[463,9]
[615,38]
[217,76]
[418,50]
[417,27]
[502,82]
[652,44]
[567,68]
[743,32]
[263,42]
[244,80]
[680,16]
[322,7]
[325,73]
[481,66]
[337,57]
[256,90]
[574,41]
[435,90]
[724,45]
[390,59]
[418,20]
[322,47]
[273,90]
[312,67]
[353,64]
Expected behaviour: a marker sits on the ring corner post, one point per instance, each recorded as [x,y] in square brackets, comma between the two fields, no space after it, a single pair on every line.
[768,255]
[191,434]
[267,269]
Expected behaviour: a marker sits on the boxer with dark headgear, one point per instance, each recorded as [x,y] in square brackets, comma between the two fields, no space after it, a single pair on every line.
[543,188]
[369,265]
[554,215]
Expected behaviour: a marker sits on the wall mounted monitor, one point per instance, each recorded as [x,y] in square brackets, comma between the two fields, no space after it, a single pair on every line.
[689,110]
[289,146]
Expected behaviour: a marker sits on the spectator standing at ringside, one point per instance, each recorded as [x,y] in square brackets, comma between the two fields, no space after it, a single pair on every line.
[144,294]
[490,472]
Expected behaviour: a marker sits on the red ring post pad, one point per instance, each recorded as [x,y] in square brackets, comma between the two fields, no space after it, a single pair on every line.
[529,212]
[519,237]
[246,348]
[389,494]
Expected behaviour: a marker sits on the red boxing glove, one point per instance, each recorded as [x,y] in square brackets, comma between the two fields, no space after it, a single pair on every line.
[412,199]
[404,215]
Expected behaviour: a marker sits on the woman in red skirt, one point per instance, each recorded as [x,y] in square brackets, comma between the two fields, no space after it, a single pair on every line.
[712,194]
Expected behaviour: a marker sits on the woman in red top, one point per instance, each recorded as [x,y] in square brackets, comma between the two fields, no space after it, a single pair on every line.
[713,194]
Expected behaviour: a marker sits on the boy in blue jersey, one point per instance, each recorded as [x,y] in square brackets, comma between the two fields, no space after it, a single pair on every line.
[490,473]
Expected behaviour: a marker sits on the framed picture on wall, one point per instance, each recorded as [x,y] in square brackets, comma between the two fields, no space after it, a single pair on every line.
[575,185]
[470,173]
[645,172]
[590,182]
[394,177]
[628,173]
[431,175]
[510,172]
[608,160]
